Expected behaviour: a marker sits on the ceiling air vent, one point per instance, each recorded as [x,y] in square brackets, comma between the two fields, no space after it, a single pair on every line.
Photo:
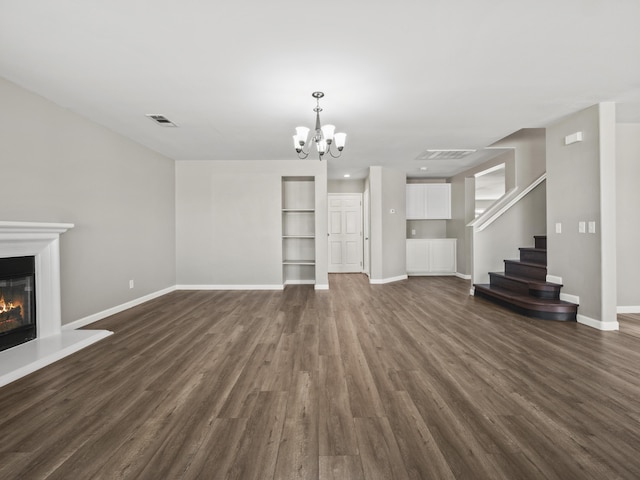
[444,154]
[161,120]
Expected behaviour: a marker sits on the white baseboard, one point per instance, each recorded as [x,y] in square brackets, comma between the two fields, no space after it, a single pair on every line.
[566,297]
[230,287]
[117,309]
[321,287]
[463,276]
[300,282]
[600,325]
[431,274]
[380,281]
[554,279]
[628,309]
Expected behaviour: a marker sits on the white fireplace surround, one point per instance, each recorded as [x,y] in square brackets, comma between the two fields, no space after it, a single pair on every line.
[41,240]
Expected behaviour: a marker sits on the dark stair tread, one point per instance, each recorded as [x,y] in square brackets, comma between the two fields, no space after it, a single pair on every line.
[526,264]
[530,281]
[532,249]
[527,301]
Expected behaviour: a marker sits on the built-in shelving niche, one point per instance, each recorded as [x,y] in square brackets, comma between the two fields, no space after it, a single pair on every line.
[298,230]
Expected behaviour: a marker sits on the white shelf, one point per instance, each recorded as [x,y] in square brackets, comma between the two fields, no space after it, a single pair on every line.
[299,262]
[298,210]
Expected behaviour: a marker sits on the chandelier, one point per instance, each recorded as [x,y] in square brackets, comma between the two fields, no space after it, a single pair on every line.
[323,136]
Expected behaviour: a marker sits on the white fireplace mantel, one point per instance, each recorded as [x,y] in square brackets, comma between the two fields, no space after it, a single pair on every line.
[41,240]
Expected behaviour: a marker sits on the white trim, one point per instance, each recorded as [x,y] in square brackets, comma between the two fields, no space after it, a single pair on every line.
[117,309]
[380,281]
[554,279]
[509,200]
[472,291]
[463,276]
[19,361]
[321,287]
[600,325]
[495,168]
[566,297]
[432,274]
[34,227]
[628,309]
[230,287]
[299,282]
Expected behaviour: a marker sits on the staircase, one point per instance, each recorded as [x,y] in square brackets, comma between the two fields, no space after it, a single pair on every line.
[523,286]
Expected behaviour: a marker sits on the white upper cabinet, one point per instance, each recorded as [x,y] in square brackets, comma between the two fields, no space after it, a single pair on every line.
[415,201]
[430,201]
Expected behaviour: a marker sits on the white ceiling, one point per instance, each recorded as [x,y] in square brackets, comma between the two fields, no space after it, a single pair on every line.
[399,77]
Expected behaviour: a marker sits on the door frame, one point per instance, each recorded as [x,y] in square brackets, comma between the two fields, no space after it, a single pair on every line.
[366,233]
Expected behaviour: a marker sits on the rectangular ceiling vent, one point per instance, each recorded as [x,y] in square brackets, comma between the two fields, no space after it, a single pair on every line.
[453,154]
[161,120]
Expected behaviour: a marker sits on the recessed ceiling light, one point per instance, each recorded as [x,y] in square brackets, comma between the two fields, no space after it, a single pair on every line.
[424,169]
[347,175]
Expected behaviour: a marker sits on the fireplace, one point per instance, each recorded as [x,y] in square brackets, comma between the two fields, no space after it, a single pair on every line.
[17,301]
[34,249]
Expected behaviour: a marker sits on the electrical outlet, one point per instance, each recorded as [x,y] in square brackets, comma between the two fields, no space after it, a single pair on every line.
[131,284]
[558,227]
[592,227]
[582,227]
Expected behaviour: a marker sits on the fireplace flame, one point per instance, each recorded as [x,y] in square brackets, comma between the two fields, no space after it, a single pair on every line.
[11,314]
[8,305]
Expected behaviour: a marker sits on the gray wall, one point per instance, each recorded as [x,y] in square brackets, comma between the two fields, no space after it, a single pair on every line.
[388,230]
[345,186]
[581,187]
[59,167]
[426,228]
[229,221]
[628,202]
[463,205]
[529,162]
[513,229]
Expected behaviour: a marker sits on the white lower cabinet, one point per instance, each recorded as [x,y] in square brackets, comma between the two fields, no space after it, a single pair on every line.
[431,256]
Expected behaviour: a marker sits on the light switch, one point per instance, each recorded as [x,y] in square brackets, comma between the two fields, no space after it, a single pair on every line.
[582,227]
[413,231]
[558,227]
[592,227]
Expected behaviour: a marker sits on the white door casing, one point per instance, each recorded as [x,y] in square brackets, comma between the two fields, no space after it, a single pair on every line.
[345,233]
[366,232]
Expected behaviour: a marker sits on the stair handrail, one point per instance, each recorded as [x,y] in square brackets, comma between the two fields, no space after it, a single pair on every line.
[494,212]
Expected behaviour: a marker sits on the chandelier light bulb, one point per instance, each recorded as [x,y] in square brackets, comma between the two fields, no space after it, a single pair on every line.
[296,144]
[302,133]
[328,131]
[322,147]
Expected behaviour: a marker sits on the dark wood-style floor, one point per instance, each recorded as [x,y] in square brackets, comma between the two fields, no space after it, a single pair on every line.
[412,380]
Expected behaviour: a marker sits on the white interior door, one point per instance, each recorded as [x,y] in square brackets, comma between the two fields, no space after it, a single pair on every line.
[345,233]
